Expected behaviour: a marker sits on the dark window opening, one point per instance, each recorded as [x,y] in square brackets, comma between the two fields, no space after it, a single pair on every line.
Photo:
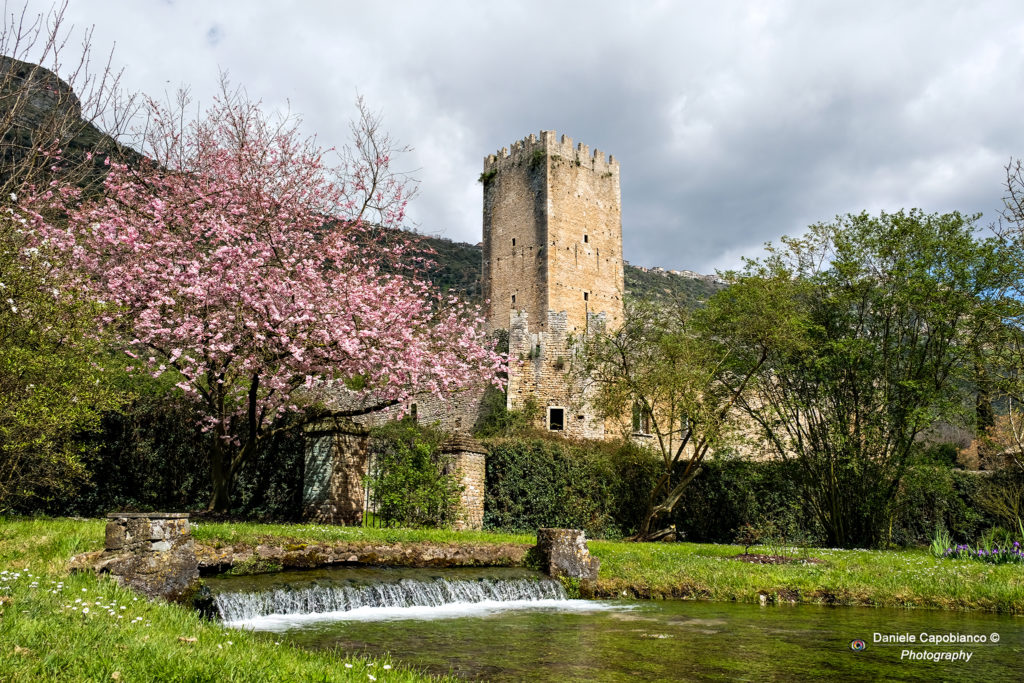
[556,419]
[513,298]
[641,420]
[586,296]
[513,241]
[414,412]
[586,238]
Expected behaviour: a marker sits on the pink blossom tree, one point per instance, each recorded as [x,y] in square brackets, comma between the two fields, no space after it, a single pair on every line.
[239,258]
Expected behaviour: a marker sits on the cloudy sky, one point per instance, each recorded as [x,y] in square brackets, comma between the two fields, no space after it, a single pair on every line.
[734,122]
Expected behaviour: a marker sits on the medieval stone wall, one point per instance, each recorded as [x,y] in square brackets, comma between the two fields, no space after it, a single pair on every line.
[540,367]
[585,237]
[468,465]
[336,462]
[456,413]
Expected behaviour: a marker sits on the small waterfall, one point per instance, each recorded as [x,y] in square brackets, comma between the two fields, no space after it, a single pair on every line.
[314,599]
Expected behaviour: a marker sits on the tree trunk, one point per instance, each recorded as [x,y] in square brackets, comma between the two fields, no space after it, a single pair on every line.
[220,477]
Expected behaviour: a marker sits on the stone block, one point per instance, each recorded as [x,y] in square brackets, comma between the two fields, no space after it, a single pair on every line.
[564,552]
[115,536]
[152,553]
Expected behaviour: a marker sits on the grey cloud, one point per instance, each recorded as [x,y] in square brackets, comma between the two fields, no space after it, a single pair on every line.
[733,123]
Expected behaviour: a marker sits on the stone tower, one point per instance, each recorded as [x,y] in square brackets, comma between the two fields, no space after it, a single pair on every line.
[552,233]
[552,267]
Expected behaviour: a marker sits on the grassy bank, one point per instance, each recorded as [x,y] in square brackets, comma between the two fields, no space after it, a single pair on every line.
[882,578]
[56,626]
[254,534]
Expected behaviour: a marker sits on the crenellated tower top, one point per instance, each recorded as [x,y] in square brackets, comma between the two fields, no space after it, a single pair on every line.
[549,144]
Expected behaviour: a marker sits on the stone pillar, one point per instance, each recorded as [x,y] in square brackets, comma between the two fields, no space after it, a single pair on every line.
[337,457]
[468,460]
[564,552]
[150,552]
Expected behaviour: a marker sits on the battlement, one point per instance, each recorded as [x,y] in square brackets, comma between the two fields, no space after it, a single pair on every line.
[525,151]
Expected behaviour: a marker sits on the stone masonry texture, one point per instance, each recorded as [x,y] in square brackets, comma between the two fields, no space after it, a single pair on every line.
[152,553]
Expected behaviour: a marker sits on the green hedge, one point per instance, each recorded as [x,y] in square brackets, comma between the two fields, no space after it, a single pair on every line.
[546,482]
[730,493]
[727,494]
[602,488]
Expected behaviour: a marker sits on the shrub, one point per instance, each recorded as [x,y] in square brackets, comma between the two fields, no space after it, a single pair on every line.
[728,494]
[411,479]
[152,455]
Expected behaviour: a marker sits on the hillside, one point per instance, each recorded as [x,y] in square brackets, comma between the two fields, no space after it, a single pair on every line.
[458,268]
[44,135]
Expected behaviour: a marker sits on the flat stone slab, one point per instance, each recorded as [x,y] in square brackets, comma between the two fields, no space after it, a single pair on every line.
[419,554]
[147,515]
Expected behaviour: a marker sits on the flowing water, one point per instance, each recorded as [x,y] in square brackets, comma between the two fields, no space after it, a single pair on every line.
[512,625]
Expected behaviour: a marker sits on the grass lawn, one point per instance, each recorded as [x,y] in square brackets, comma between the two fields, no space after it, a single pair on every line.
[254,534]
[56,626]
[883,578]
[46,632]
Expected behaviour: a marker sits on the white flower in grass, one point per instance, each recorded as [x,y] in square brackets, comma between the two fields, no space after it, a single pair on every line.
[85,610]
[387,666]
[347,665]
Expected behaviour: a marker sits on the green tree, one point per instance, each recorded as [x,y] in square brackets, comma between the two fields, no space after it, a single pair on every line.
[680,373]
[895,308]
[52,382]
[1005,355]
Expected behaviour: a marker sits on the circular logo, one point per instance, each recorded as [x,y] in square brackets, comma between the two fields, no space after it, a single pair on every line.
[858,645]
[994,637]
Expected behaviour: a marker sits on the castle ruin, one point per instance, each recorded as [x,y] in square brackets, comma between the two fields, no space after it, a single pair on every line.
[552,268]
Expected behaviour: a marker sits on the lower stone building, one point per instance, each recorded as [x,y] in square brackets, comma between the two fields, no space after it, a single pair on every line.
[338,456]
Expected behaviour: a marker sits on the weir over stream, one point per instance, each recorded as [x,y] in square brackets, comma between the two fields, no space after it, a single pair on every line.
[275,602]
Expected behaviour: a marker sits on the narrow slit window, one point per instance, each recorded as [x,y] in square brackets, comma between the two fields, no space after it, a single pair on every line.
[586,296]
[513,299]
[586,238]
[513,241]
